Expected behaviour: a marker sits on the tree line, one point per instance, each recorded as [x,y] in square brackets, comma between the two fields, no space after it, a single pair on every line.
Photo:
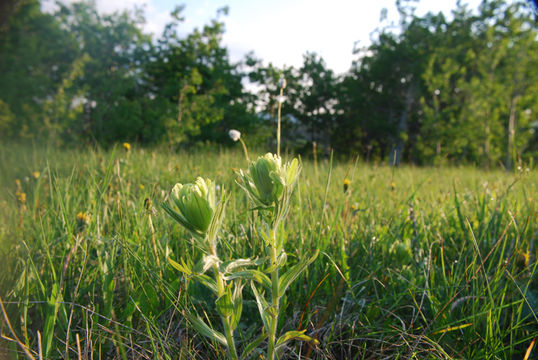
[431,90]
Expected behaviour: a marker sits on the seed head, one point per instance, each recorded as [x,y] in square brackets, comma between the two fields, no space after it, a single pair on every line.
[234,134]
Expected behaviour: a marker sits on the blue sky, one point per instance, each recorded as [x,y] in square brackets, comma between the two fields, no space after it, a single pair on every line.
[281,31]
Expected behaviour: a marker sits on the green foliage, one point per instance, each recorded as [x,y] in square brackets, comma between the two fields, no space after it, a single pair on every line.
[438,90]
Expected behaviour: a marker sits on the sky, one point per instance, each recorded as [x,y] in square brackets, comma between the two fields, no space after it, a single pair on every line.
[282,31]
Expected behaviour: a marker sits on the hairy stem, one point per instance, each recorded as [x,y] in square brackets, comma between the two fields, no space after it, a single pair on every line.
[225,319]
[275,300]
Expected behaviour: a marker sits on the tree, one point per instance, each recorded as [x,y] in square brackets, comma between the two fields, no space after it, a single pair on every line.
[35,56]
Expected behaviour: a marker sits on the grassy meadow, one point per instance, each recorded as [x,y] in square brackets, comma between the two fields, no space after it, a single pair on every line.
[414,263]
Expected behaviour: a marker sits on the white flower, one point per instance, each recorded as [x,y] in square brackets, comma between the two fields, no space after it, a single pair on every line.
[234,135]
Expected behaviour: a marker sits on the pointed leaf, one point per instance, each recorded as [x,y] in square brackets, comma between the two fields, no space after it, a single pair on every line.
[224,302]
[294,272]
[205,330]
[179,218]
[181,267]
[262,305]
[253,345]
[239,275]
[294,335]
[229,266]
[207,281]
[280,262]
[237,300]
[260,278]
[206,263]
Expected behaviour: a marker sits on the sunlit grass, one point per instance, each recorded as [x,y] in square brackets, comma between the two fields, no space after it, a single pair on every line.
[430,262]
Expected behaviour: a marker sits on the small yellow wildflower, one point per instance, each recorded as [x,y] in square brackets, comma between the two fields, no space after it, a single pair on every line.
[392,186]
[36,174]
[126,146]
[347,182]
[83,219]
[21,197]
[142,187]
[523,258]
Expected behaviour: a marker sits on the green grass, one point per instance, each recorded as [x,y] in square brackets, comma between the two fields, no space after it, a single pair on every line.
[414,262]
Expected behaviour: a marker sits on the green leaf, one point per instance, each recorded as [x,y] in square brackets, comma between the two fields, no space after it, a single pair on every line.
[224,302]
[260,278]
[281,261]
[205,330]
[207,262]
[216,220]
[294,272]
[253,345]
[207,281]
[266,238]
[244,275]
[180,267]
[50,318]
[179,218]
[237,300]
[229,266]
[262,305]
[294,335]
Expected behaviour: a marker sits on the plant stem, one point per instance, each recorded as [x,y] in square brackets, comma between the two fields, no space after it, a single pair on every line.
[226,319]
[229,338]
[245,150]
[278,122]
[274,300]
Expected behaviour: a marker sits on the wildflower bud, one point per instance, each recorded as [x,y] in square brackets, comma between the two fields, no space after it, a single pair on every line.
[267,178]
[193,205]
[234,134]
